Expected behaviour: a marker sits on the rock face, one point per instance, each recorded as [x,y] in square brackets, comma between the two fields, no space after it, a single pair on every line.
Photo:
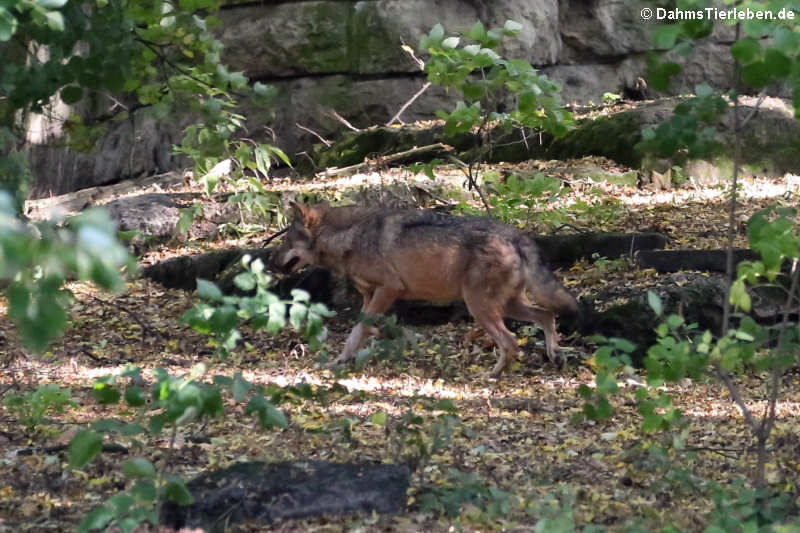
[346,56]
[770,141]
[131,149]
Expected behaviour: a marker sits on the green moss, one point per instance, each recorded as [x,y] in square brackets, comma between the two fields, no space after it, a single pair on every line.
[771,154]
[614,137]
[353,147]
[324,47]
[371,41]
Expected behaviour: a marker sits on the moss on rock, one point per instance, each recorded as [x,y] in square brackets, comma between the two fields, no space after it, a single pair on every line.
[611,136]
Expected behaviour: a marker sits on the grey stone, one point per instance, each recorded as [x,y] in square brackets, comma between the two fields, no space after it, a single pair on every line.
[346,56]
[585,83]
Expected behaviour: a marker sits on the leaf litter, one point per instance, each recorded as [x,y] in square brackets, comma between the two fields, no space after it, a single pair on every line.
[515,434]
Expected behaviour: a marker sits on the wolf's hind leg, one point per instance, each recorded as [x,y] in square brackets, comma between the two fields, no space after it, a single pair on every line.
[546,319]
[490,318]
[381,300]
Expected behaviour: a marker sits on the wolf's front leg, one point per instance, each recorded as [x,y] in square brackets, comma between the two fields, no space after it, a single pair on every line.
[353,343]
[380,301]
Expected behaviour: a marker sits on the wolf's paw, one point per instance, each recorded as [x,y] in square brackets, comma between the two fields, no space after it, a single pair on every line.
[498,370]
[330,365]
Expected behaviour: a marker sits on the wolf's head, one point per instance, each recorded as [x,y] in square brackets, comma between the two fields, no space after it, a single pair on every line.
[297,250]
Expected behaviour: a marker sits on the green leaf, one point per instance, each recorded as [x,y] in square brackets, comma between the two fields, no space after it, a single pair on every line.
[71,94]
[38,311]
[83,447]
[129,523]
[606,384]
[139,467]
[134,396]
[262,160]
[186,217]
[651,422]
[245,281]
[107,425]
[144,492]
[624,345]
[437,33]
[277,317]
[603,410]
[746,50]
[275,151]
[261,90]
[98,518]
[739,296]
[703,90]
[446,405]
[472,49]
[674,321]
[660,73]
[776,64]
[8,24]
[297,313]
[268,415]
[239,387]
[55,20]
[512,27]
[176,491]
[450,42]
[299,295]
[655,303]
[51,4]
[477,33]
[130,430]
[380,418]
[105,391]
[787,41]
[208,290]
[665,36]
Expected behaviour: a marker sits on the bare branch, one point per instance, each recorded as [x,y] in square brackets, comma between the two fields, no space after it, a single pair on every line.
[274,236]
[753,111]
[315,134]
[769,417]
[389,158]
[337,116]
[396,117]
[723,375]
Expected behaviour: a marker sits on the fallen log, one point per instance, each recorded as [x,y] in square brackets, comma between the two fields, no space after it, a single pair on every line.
[267,493]
[557,251]
[704,260]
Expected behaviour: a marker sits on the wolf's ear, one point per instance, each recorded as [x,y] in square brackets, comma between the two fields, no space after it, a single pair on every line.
[311,216]
[298,209]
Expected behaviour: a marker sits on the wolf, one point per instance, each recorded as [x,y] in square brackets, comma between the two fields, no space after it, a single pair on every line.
[393,254]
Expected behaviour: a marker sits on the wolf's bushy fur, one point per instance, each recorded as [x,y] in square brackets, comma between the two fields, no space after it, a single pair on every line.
[421,255]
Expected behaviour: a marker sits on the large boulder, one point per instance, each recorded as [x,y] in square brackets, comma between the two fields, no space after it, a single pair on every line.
[602,30]
[276,40]
[347,56]
[770,142]
[134,148]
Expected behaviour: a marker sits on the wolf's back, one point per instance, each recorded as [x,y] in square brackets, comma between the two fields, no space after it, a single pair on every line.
[544,288]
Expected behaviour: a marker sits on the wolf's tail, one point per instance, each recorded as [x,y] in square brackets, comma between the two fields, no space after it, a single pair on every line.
[544,288]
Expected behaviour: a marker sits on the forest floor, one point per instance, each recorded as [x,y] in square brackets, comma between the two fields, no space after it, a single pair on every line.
[527,461]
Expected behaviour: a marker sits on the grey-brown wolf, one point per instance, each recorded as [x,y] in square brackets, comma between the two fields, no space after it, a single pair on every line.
[422,255]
